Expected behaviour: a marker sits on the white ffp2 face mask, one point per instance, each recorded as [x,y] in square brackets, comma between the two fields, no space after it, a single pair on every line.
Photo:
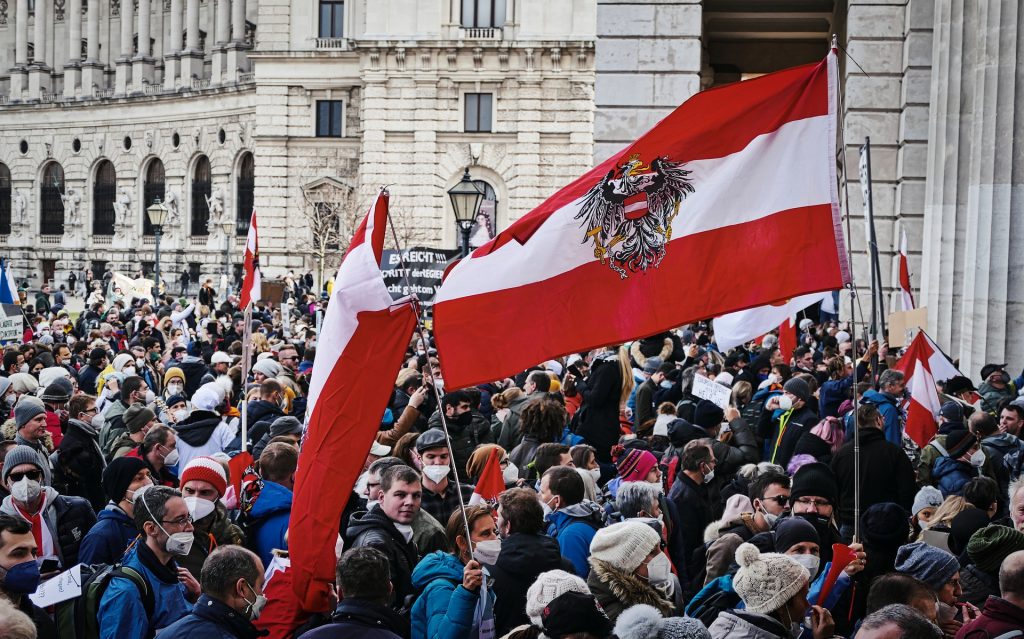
[659,570]
[199,507]
[26,490]
[486,552]
[511,473]
[810,562]
[436,472]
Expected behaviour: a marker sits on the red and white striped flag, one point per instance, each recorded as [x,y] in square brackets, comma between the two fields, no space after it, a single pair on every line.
[738,328]
[906,297]
[491,483]
[924,403]
[361,345]
[730,202]
[252,280]
[939,366]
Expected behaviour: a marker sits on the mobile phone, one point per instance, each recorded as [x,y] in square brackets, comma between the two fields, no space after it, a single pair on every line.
[49,565]
[575,370]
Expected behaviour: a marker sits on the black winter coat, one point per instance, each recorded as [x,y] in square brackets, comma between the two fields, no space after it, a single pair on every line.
[361,619]
[523,557]
[890,477]
[80,464]
[375,530]
[599,422]
[695,512]
[801,421]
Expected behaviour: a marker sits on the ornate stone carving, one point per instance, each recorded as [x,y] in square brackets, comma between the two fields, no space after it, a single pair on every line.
[115,8]
[72,200]
[3,11]
[58,10]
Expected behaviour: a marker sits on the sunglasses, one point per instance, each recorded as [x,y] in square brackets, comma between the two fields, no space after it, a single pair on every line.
[781,500]
[34,475]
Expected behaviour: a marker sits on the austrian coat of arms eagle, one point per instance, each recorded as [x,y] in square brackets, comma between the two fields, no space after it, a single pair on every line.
[628,214]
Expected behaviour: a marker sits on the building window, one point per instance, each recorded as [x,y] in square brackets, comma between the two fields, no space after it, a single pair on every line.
[478,112]
[244,197]
[5,199]
[483,14]
[486,224]
[201,191]
[51,206]
[328,118]
[332,19]
[152,190]
[104,192]
[98,268]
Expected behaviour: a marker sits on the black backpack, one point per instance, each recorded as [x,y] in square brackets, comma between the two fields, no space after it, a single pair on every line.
[78,618]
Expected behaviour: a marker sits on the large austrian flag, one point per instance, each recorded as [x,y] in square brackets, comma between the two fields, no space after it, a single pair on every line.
[361,344]
[728,203]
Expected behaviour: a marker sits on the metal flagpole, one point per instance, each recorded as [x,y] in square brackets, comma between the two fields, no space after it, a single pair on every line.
[246,363]
[421,331]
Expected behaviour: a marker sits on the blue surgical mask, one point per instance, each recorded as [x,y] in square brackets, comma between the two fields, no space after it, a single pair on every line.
[666,384]
[21,579]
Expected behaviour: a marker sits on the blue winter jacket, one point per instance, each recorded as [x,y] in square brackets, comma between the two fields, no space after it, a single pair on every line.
[574,528]
[952,475]
[122,614]
[886,405]
[107,540]
[444,609]
[211,619]
[269,517]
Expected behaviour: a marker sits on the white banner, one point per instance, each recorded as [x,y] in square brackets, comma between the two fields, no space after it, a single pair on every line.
[712,391]
[11,324]
[141,288]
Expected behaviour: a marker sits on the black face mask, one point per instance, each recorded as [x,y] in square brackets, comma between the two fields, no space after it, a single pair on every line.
[464,419]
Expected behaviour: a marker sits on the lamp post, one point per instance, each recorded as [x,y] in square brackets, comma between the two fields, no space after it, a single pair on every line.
[466,198]
[228,227]
[157,213]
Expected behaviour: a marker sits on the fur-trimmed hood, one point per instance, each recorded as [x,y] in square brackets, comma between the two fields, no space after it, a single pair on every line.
[616,590]
[641,359]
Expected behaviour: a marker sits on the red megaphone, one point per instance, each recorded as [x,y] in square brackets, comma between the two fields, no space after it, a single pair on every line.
[842,555]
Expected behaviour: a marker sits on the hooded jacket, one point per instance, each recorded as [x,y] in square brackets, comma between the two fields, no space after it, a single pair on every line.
[616,590]
[268,520]
[361,619]
[444,608]
[890,412]
[376,530]
[743,624]
[951,475]
[211,619]
[122,615]
[114,424]
[522,559]
[201,434]
[574,527]
[991,396]
[107,540]
[67,518]
[80,463]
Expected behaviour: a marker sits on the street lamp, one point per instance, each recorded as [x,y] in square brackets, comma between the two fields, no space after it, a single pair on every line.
[466,198]
[157,213]
[228,226]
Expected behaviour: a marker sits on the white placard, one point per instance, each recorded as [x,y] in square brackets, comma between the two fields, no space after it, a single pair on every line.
[10,323]
[66,585]
[712,391]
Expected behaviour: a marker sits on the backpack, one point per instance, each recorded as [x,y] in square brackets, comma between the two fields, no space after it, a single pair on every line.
[78,618]
[713,599]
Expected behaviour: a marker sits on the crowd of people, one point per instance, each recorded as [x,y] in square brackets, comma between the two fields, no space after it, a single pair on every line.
[631,507]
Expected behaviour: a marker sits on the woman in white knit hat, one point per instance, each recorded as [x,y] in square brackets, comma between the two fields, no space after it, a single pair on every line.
[773,588]
[548,586]
[628,567]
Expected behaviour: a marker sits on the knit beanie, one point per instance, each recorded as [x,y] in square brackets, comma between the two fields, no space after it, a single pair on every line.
[572,613]
[268,367]
[59,391]
[286,425]
[121,361]
[547,587]
[119,474]
[798,388]
[20,454]
[767,581]
[735,506]
[885,525]
[635,464]
[208,397]
[927,497]
[989,547]
[953,411]
[175,399]
[24,384]
[959,442]
[173,372]
[814,480]
[206,469]
[707,414]
[26,409]
[645,622]
[624,545]
[136,417]
[931,565]
[791,531]
[48,376]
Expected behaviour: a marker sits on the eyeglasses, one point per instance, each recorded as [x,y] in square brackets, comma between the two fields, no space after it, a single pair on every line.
[33,475]
[810,501]
[180,521]
[781,500]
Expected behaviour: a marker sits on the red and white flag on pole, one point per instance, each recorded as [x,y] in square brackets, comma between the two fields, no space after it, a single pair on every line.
[735,329]
[252,280]
[730,202]
[491,482]
[924,404]
[940,366]
[906,297]
[360,348]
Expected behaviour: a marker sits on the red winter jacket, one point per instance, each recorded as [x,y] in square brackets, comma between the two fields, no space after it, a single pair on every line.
[998,617]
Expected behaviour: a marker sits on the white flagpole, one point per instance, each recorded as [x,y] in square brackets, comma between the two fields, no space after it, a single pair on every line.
[246,364]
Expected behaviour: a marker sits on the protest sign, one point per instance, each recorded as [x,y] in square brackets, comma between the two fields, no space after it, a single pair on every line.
[66,585]
[11,324]
[141,288]
[421,276]
[712,391]
[903,325]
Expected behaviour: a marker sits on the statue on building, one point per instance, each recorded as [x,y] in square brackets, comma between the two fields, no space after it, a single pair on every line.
[173,202]
[122,209]
[20,208]
[215,203]
[72,199]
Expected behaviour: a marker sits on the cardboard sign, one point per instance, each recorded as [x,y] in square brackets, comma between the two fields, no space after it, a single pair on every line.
[903,326]
[141,288]
[422,274]
[66,585]
[712,391]
[11,324]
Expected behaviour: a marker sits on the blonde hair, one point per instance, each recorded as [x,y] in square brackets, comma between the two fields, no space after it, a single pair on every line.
[947,510]
[260,343]
[506,397]
[627,375]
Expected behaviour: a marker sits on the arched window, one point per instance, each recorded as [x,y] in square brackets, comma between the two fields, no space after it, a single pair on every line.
[485,226]
[201,191]
[152,190]
[244,197]
[5,199]
[51,207]
[104,192]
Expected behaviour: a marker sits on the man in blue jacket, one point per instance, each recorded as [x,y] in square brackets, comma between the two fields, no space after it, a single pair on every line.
[270,514]
[232,598]
[572,521]
[891,384]
[162,516]
[115,529]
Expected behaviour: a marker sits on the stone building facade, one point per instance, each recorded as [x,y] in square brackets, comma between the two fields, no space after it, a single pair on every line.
[292,102]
